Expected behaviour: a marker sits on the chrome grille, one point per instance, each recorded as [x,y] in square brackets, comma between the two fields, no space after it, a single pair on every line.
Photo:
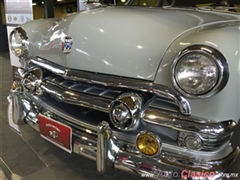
[94,96]
[95,90]
[106,85]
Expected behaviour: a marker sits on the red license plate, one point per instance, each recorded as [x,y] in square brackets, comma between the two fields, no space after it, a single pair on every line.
[55,132]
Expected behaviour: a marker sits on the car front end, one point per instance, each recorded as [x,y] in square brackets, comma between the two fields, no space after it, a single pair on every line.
[134,109]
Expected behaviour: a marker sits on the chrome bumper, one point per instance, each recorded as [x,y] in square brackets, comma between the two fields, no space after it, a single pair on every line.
[108,151]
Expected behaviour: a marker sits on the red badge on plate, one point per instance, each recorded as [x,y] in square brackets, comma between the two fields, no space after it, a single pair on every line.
[55,132]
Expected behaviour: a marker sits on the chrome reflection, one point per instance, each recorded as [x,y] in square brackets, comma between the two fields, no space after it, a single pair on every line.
[81,99]
[113,81]
[208,135]
[107,148]
[216,57]
[23,50]
[23,109]
[32,79]
[125,110]
[188,124]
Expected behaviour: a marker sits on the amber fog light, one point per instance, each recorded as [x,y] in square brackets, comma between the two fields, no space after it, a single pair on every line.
[148,143]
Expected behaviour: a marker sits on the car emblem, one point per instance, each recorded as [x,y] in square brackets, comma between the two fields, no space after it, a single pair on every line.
[53,134]
[67,44]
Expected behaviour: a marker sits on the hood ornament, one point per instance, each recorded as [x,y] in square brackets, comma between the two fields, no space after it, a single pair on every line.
[67,44]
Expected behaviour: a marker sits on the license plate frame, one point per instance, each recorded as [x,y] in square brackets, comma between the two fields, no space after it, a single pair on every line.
[55,132]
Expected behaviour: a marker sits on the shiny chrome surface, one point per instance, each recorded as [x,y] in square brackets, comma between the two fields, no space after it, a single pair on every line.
[188,124]
[101,98]
[156,137]
[220,61]
[107,148]
[208,143]
[133,161]
[127,158]
[211,135]
[25,41]
[81,99]
[114,81]
[125,110]
[24,110]
[20,106]
[32,79]
[37,104]
[193,141]
[136,164]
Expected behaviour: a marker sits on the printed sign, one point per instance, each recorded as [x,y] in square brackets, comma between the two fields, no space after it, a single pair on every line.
[55,132]
[18,11]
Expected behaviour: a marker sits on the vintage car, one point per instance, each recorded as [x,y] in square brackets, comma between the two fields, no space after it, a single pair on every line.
[150,87]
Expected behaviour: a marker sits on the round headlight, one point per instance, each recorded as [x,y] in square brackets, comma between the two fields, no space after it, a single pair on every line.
[19,43]
[200,72]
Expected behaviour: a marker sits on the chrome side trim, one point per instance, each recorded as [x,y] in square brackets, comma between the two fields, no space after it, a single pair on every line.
[220,61]
[188,124]
[113,81]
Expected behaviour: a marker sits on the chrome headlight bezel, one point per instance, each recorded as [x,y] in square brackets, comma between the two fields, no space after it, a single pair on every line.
[24,42]
[216,56]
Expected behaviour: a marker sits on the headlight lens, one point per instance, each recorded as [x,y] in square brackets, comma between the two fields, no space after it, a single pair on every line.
[19,43]
[196,73]
[148,143]
[200,72]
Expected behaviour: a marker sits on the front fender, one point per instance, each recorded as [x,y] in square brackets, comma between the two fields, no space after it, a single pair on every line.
[225,37]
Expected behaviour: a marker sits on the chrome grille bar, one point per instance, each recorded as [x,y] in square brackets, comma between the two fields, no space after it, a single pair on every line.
[80,99]
[101,91]
[114,81]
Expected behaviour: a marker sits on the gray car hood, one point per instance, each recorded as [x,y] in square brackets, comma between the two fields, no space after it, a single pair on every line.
[124,41]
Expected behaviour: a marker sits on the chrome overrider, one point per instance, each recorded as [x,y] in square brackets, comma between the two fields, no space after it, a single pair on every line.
[111,152]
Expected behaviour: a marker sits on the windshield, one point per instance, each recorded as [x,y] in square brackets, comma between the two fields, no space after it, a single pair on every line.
[217,5]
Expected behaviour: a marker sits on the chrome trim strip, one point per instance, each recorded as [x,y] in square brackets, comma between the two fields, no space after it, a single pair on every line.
[113,81]
[137,164]
[220,61]
[81,99]
[188,124]
[216,154]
